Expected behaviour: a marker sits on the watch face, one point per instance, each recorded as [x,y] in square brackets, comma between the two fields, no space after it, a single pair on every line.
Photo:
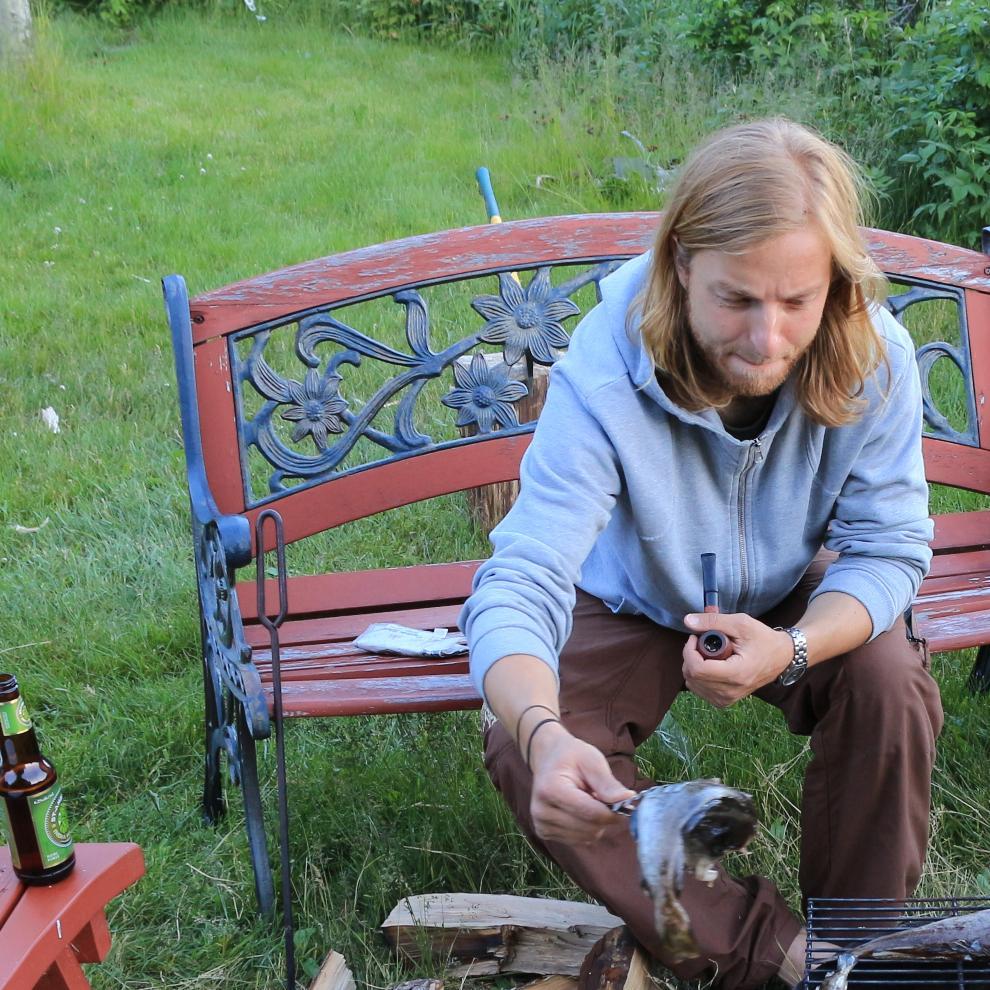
[791,675]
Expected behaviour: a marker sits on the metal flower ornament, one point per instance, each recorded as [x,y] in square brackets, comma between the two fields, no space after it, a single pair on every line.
[483,395]
[385,406]
[316,408]
[526,320]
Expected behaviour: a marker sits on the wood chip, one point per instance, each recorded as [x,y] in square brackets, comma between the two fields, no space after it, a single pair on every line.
[31,529]
[334,974]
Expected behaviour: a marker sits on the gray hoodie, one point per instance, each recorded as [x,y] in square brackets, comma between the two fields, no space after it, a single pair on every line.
[622,491]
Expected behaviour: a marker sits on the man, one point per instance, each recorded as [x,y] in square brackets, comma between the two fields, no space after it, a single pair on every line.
[737,391]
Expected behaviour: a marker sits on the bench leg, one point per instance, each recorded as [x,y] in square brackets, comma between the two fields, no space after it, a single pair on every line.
[214,806]
[92,944]
[254,817]
[64,974]
[979,677]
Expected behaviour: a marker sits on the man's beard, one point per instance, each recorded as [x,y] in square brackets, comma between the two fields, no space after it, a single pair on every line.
[749,385]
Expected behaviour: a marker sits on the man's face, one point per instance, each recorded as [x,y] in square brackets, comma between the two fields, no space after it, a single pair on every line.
[754,314]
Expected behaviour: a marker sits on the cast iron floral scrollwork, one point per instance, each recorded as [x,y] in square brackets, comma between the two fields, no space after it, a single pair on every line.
[483,395]
[526,320]
[929,354]
[229,666]
[317,408]
[939,425]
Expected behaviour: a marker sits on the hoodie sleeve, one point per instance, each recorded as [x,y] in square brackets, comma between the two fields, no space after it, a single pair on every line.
[523,595]
[881,528]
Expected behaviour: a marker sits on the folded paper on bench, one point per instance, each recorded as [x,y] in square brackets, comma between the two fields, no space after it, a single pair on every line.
[395,640]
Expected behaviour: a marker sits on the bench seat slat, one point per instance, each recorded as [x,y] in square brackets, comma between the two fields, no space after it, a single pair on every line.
[955,632]
[962,563]
[953,584]
[959,604]
[344,628]
[956,531]
[328,594]
[366,665]
[379,696]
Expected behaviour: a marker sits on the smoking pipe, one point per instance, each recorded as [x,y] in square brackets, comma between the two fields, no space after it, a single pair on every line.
[712,645]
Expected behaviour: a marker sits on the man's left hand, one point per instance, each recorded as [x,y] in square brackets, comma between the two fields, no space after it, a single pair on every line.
[760,654]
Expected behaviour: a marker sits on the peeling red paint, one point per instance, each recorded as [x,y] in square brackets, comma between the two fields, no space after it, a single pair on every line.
[515,245]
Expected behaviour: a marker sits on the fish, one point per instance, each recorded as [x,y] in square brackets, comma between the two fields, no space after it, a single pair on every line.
[679,829]
[964,937]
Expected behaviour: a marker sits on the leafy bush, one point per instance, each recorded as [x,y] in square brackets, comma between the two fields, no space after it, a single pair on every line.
[475,21]
[850,36]
[939,98]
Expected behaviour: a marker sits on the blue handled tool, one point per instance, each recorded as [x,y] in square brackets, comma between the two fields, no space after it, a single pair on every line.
[488,194]
[491,206]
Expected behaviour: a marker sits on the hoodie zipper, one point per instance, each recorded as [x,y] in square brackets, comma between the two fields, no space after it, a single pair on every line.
[754,455]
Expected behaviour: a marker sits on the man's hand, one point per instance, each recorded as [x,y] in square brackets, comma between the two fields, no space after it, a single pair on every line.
[572,786]
[759,655]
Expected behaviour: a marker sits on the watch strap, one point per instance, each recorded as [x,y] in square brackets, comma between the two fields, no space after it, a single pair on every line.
[799,663]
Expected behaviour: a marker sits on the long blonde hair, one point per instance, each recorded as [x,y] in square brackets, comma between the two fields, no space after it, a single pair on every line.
[741,186]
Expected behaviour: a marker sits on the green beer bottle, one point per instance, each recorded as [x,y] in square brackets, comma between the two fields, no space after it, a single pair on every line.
[32,812]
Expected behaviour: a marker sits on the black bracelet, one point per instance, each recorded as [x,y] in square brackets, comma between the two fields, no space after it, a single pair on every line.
[536,728]
[522,715]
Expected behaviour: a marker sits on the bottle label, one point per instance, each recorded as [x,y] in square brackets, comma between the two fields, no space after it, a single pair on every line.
[51,825]
[14,718]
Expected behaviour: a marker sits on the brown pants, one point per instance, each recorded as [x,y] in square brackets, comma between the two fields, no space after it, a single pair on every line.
[872,715]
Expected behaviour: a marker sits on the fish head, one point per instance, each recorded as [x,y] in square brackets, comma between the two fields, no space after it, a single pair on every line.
[724,823]
[682,828]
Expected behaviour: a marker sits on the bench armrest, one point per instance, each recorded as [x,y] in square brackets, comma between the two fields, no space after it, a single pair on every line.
[235,531]
[221,543]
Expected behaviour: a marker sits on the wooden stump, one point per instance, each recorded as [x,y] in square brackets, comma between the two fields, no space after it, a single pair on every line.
[489,504]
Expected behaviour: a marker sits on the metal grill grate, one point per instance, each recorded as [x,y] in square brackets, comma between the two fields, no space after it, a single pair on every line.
[847,923]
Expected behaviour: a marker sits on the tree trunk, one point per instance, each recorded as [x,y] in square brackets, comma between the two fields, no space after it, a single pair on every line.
[15,27]
[489,504]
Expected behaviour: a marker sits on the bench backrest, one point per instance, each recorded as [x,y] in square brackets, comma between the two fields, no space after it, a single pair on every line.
[343,387]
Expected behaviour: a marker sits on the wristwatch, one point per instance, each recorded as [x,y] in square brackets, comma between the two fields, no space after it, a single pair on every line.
[799,664]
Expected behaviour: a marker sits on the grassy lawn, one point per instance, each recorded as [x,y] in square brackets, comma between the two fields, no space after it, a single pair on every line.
[221,149]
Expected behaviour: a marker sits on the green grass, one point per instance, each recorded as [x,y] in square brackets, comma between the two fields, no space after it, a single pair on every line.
[222,148]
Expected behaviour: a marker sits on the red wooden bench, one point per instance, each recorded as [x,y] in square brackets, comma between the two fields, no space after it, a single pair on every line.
[338,437]
[47,932]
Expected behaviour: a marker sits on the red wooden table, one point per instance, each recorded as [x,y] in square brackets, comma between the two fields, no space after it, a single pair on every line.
[46,932]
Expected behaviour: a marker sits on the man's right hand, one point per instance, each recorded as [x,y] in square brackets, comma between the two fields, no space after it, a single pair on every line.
[572,788]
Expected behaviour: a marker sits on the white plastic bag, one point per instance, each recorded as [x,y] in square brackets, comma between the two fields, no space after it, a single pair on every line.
[393,639]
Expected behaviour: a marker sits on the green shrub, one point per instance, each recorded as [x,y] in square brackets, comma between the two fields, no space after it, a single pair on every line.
[477,21]
[939,98]
[847,36]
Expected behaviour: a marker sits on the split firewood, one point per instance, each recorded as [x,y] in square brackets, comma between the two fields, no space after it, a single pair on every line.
[334,975]
[488,934]
[619,965]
